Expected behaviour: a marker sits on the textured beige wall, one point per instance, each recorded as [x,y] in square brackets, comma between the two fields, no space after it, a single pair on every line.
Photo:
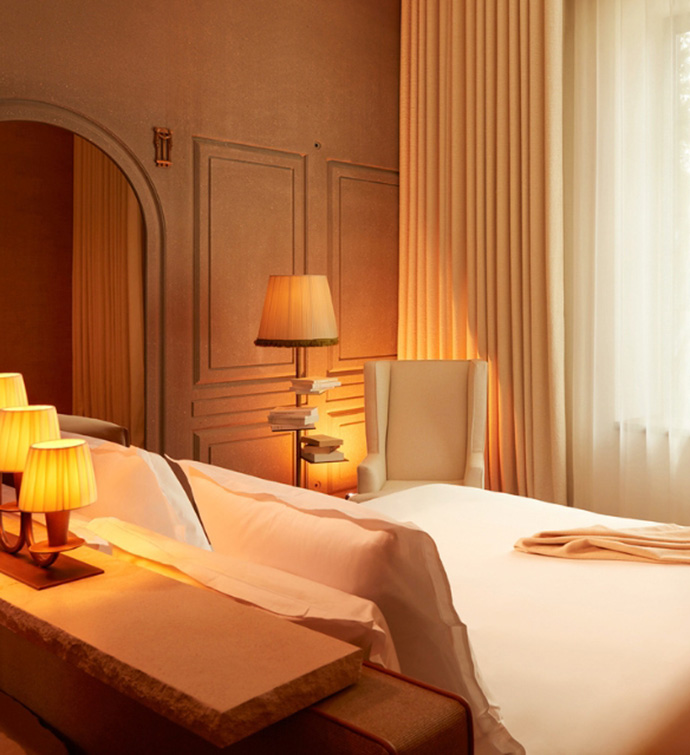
[304,86]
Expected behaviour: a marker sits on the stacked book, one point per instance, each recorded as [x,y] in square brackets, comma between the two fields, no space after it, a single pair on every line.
[293,418]
[313,384]
[320,448]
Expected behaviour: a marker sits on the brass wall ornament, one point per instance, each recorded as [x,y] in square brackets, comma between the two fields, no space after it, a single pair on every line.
[162,141]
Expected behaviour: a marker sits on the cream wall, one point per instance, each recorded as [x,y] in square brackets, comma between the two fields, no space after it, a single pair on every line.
[284,118]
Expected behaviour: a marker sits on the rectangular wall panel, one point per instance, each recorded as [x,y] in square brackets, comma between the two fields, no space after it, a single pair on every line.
[364,250]
[250,224]
[250,450]
[363,265]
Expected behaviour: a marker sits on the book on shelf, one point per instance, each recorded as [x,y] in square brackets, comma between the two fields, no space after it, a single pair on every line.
[294,411]
[320,450]
[305,415]
[313,384]
[315,458]
[318,439]
[314,381]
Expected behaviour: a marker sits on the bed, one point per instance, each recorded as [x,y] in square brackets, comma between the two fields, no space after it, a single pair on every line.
[553,656]
[583,657]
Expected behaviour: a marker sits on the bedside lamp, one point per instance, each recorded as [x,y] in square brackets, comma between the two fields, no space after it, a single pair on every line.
[12,393]
[298,312]
[58,477]
[20,426]
[12,390]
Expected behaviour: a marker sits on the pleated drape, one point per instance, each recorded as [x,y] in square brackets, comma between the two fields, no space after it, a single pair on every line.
[107,284]
[481,229]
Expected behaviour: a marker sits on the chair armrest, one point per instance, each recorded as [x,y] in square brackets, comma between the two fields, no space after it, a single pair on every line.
[371,474]
[474,474]
[94,428]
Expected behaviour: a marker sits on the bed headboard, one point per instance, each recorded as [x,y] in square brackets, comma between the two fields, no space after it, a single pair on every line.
[95,428]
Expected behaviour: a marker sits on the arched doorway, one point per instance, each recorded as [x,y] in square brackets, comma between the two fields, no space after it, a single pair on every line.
[23,110]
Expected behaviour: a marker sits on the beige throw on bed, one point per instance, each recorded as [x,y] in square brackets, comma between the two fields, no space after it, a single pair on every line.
[664,543]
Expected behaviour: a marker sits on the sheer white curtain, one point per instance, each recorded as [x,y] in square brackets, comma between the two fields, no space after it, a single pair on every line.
[628,256]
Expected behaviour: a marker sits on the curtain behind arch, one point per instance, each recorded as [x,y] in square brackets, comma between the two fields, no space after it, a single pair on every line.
[108,300]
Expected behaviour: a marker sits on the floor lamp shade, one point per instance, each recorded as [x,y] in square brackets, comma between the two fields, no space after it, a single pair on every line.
[12,390]
[20,426]
[298,311]
[58,476]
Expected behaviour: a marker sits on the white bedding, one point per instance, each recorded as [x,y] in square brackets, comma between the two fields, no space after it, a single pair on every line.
[390,573]
[582,657]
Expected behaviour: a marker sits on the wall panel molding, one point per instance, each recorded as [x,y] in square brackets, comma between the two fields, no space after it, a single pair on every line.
[249,224]
[253,449]
[363,261]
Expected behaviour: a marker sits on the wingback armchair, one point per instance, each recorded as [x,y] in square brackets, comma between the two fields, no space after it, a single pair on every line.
[425,422]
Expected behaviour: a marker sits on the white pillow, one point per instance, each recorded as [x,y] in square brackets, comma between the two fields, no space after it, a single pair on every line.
[141,487]
[259,528]
[302,601]
[343,545]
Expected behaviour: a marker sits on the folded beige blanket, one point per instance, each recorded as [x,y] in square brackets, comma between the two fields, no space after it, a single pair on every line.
[663,543]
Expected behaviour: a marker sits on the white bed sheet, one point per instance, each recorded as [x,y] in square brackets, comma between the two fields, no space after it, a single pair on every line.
[581,657]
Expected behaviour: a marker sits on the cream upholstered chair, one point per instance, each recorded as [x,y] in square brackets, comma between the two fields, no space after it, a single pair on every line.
[425,422]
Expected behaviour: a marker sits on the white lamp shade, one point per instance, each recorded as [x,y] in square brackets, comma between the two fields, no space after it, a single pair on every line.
[298,311]
[20,426]
[58,476]
[12,390]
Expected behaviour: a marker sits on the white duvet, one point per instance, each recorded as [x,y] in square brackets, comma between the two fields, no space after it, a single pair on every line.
[582,657]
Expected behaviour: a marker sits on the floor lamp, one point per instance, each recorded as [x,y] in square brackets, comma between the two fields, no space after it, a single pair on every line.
[298,313]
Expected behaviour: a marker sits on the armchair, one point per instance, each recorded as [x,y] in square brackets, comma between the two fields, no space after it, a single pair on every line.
[425,422]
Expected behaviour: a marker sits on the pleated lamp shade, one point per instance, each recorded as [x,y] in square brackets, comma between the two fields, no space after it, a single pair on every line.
[20,426]
[298,311]
[58,476]
[12,390]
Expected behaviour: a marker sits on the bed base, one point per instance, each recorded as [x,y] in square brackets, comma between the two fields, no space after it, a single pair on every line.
[383,713]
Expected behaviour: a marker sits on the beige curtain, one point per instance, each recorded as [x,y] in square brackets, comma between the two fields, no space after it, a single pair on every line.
[481,249]
[107,299]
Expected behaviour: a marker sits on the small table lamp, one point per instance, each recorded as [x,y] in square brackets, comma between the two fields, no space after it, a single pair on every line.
[298,312]
[12,390]
[12,393]
[67,463]
[58,477]
[20,426]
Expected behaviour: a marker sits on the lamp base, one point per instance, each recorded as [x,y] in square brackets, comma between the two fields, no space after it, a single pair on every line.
[67,569]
